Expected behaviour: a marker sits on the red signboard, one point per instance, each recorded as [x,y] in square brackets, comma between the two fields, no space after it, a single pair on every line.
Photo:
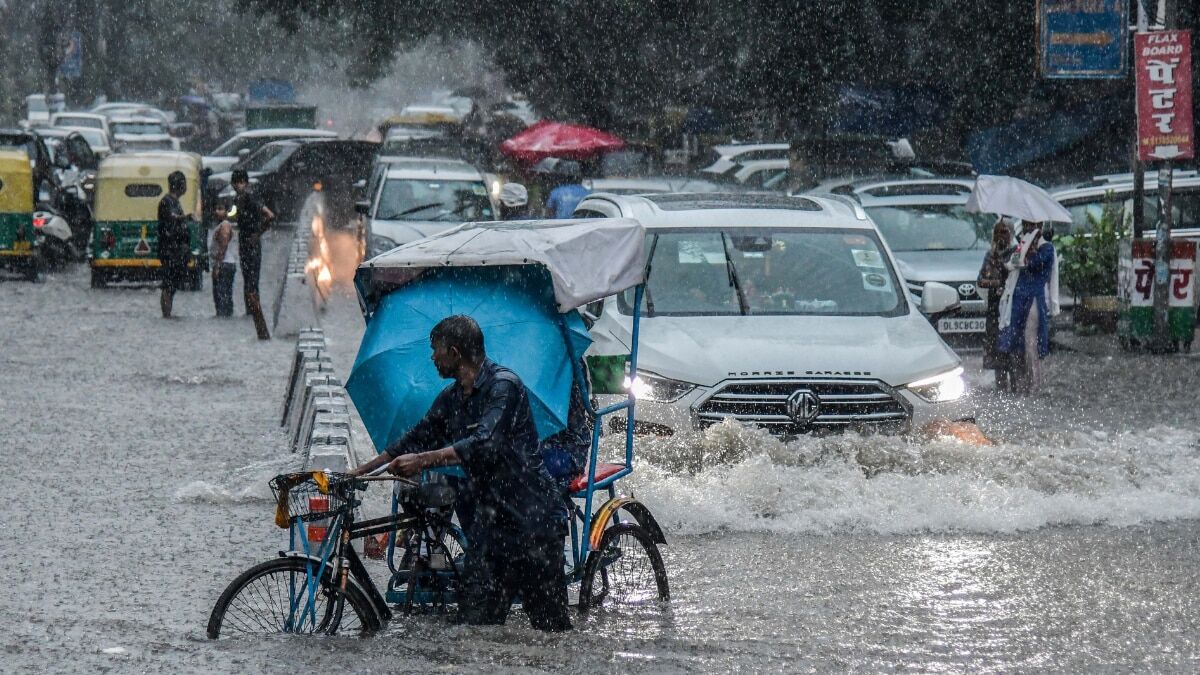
[1163,60]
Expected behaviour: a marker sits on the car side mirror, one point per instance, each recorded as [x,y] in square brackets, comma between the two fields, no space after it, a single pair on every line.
[362,208]
[938,298]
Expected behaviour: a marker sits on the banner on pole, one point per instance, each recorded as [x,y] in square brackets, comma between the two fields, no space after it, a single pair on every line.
[1163,61]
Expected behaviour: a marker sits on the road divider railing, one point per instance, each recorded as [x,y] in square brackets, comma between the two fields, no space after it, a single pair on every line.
[318,416]
[296,305]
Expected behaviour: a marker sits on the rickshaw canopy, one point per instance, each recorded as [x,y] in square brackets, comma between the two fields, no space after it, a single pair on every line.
[587,259]
[16,182]
[129,187]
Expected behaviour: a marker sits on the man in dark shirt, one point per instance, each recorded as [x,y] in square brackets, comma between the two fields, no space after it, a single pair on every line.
[173,240]
[252,220]
[515,532]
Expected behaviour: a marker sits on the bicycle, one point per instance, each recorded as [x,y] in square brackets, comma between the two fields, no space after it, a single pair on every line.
[307,591]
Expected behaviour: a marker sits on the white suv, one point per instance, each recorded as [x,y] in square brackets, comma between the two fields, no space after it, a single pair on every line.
[411,198]
[782,312]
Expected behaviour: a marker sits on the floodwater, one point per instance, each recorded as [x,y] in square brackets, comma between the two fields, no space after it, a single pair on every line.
[137,452]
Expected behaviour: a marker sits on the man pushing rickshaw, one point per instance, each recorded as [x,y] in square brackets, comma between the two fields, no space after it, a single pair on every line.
[496,303]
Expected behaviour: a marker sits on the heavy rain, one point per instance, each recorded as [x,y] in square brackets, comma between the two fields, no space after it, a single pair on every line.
[668,336]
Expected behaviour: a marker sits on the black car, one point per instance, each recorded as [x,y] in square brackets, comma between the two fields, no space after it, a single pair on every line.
[44,177]
[285,173]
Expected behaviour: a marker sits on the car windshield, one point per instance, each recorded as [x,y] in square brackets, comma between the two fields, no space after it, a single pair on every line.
[137,128]
[736,271]
[233,146]
[94,137]
[932,227]
[450,201]
[71,121]
[268,158]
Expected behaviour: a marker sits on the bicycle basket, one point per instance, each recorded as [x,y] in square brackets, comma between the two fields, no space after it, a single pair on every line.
[301,497]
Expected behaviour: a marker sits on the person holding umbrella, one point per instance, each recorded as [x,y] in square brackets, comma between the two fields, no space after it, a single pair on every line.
[570,191]
[1030,299]
[1030,295]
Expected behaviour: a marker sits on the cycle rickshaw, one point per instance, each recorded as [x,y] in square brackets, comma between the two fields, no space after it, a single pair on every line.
[523,282]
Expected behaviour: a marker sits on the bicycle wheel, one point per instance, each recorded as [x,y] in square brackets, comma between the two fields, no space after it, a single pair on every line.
[261,600]
[626,569]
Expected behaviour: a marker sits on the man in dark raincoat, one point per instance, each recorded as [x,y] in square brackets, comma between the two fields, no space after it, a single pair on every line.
[516,522]
[174,248]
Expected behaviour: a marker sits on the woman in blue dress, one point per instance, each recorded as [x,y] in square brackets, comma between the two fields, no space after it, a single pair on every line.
[1030,299]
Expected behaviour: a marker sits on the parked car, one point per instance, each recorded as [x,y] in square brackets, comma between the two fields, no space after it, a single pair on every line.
[762,175]
[412,198]
[724,157]
[934,238]
[651,184]
[37,110]
[242,145]
[81,119]
[1087,199]
[781,312]
[284,173]
[133,133]
[97,139]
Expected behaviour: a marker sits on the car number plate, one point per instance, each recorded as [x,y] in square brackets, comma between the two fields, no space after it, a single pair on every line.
[953,325]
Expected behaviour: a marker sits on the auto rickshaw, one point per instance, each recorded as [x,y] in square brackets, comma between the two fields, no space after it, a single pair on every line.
[18,236]
[124,242]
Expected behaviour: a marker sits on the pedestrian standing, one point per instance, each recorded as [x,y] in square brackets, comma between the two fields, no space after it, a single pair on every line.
[1030,300]
[563,199]
[514,202]
[992,278]
[223,247]
[173,245]
[253,218]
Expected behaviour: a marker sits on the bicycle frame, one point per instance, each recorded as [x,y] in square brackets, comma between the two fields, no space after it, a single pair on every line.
[336,554]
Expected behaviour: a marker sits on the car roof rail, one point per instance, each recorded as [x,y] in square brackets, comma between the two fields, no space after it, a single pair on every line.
[855,207]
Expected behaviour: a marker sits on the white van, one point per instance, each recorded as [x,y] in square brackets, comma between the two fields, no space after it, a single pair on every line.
[782,312]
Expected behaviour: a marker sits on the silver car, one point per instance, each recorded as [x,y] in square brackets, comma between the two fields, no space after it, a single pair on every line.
[934,238]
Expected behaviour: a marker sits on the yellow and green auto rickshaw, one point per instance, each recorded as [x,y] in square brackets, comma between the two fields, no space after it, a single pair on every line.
[124,243]
[18,237]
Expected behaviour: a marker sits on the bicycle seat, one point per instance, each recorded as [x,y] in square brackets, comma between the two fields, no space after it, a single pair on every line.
[603,471]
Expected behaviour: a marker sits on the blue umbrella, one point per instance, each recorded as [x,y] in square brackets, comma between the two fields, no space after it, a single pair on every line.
[393,381]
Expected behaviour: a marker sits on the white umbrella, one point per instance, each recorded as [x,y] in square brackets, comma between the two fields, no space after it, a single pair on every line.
[1013,197]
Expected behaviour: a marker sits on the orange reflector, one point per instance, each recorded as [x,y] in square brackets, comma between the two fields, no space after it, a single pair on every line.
[316,533]
[39,222]
[966,432]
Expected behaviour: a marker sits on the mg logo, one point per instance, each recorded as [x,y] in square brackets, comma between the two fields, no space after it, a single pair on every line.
[966,290]
[803,406]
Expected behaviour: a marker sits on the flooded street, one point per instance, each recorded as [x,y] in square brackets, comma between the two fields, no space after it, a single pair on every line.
[139,450]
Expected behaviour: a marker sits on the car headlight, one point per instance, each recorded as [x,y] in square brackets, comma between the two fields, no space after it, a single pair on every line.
[381,244]
[948,386]
[649,387]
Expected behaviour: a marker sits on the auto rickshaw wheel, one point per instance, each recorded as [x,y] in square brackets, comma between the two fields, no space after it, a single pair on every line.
[99,279]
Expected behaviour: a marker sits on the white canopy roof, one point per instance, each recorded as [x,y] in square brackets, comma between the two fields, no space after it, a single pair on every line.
[587,259]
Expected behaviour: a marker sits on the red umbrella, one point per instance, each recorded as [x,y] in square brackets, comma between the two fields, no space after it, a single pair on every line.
[555,139]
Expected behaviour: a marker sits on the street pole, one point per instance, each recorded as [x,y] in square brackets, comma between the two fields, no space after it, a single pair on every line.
[1161,342]
[1139,169]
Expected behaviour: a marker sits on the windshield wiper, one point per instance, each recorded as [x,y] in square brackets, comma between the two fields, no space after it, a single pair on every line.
[733,277]
[414,210]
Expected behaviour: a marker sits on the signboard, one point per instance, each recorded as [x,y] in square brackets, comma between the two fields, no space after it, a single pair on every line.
[1163,61]
[71,66]
[1136,276]
[1083,38]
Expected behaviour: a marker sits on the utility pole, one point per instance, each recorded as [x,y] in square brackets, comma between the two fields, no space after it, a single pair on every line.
[1161,342]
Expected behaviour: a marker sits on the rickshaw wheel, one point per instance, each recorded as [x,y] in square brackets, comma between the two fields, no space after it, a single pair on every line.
[626,569]
[99,280]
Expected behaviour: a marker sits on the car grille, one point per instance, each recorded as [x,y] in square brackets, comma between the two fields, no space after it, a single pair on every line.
[842,403]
